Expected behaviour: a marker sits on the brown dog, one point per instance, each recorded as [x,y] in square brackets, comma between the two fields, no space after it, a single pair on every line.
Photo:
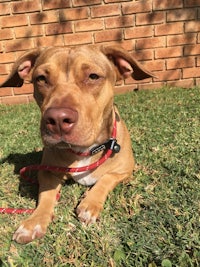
[74,88]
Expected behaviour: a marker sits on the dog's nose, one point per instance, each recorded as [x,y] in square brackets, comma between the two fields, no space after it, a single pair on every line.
[60,120]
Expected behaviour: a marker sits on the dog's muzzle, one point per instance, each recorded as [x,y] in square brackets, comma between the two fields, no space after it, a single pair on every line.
[59,122]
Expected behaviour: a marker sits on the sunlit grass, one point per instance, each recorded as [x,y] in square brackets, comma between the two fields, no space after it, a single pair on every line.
[152,220]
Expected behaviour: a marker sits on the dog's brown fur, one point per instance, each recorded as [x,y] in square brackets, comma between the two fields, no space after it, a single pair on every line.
[74,88]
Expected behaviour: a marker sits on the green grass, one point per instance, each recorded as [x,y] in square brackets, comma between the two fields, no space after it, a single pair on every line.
[152,220]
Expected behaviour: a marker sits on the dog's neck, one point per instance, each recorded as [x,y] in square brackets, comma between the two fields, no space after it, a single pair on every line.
[111,143]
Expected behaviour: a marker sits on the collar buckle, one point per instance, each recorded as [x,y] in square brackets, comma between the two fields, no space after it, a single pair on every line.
[110,144]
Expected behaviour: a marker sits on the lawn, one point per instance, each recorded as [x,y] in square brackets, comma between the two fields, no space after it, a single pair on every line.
[151,220]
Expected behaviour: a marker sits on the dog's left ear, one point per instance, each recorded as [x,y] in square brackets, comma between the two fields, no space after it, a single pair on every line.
[21,69]
[126,65]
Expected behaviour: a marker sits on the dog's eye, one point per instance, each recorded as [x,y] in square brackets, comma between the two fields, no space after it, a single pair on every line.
[41,79]
[94,76]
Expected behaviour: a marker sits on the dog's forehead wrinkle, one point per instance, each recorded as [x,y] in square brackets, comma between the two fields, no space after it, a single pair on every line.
[56,56]
[90,55]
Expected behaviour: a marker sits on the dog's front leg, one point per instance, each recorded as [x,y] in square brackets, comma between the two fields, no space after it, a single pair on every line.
[36,225]
[89,208]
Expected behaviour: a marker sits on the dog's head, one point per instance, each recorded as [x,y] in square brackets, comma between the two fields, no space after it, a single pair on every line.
[74,89]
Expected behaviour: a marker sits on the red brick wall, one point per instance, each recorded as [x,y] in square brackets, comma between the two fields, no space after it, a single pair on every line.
[164,35]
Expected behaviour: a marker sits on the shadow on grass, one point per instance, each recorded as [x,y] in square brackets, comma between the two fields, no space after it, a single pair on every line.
[26,188]
[21,160]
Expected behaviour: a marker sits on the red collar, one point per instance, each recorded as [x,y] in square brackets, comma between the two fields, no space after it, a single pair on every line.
[111,146]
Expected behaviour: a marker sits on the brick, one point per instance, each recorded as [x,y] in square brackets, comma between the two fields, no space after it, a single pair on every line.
[14,21]
[181,14]
[197,81]
[143,55]
[169,52]
[149,86]
[138,32]
[182,39]
[192,26]
[25,89]
[3,69]
[103,11]
[130,80]
[86,3]
[134,82]
[7,57]
[192,50]
[13,100]
[53,4]
[26,6]
[6,92]
[177,63]
[6,34]
[58,28]
[167,4]
[74,14]
[198,61]
[46,41]
[128,45]
[155,65]
[136,7]
[170,28]
[30,98]
[29,31]
[5,9]
[192,3]
[89,25]
[168,75]
[119,22]
[150,18]
[18,45]
[108,35]
[44,17]
[124,89]
[78,38]
[153,42]
[191,73]
[116,1]
[186,83]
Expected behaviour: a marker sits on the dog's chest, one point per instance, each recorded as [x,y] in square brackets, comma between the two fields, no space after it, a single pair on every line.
[84,178]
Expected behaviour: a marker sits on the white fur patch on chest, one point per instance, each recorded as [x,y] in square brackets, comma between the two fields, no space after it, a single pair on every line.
[84,178]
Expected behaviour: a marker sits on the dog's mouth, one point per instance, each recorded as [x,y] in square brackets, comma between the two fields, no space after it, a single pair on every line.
[60,140]
[76,137]
[57,127]
[60,144]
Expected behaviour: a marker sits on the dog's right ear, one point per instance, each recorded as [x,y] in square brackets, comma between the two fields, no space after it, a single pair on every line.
[125,65]
[21,69]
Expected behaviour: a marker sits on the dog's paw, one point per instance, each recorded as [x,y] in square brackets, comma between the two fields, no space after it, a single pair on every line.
[88,212]
[32,228]
[26,234]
